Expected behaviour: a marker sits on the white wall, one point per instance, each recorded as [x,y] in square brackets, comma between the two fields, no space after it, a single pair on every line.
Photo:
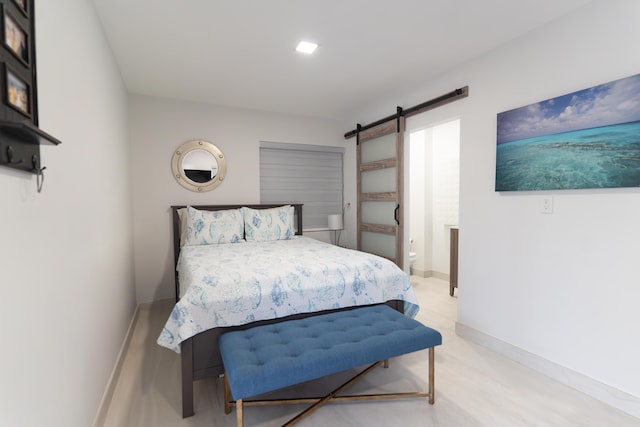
[446,191]
[565,286]
[66,253]
[159,126]
[420,202]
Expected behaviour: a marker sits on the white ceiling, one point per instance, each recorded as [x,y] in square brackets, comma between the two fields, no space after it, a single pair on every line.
[241,52]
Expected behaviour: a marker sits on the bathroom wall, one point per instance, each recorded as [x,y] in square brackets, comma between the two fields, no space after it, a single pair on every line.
[434,183]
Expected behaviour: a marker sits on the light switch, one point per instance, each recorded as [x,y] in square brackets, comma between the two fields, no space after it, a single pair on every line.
[547,205]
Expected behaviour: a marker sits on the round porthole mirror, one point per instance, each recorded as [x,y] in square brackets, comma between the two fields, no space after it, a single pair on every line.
[198,166]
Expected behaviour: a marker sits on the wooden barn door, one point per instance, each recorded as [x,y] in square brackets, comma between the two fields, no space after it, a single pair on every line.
[380,190]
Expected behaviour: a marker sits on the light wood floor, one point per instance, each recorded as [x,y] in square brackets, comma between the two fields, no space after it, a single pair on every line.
[474,386]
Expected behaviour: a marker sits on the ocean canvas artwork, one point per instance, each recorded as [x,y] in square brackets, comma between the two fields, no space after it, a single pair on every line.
[585,139]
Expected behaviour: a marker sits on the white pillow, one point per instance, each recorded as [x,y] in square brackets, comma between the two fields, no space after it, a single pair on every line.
[262,225]
[214,227]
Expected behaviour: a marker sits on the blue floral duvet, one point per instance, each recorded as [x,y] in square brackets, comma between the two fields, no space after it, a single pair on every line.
[238,283]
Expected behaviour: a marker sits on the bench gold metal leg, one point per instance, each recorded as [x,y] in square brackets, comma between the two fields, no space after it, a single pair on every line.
[317,402]
[330,396]
[239,421]
[431,375]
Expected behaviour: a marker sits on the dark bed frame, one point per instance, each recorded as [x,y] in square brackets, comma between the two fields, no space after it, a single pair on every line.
[200,357]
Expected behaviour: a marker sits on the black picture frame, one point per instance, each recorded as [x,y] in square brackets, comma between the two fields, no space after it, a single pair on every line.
[17,92]
[23,6]
[15,38]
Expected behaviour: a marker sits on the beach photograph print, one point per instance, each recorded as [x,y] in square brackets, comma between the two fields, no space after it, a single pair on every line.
[18,93]
[585,139]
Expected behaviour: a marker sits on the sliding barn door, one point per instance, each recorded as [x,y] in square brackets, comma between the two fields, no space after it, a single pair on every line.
[380,187]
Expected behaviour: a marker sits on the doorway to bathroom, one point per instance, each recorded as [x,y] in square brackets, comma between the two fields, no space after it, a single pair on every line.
[434,182]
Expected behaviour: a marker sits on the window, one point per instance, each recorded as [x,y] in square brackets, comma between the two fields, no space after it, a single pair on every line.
[308,174]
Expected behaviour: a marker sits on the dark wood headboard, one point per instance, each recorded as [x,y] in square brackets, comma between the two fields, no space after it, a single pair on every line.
[297,207]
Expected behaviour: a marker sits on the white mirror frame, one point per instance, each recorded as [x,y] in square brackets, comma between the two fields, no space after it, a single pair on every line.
[181,177]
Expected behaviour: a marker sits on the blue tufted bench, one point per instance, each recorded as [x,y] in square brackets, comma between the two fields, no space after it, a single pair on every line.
[270,357]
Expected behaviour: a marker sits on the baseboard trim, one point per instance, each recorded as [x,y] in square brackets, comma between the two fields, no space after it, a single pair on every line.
[438,275]
[428,273]
[611,396]
[115,374]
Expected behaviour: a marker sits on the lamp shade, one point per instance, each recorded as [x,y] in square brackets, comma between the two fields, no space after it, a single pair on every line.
[335,222]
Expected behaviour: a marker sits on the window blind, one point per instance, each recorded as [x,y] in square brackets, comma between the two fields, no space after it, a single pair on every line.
[308,174]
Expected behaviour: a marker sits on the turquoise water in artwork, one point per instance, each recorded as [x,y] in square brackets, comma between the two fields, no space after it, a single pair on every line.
[601,157]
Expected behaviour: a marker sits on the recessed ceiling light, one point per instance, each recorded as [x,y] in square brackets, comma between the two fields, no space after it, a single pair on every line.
[306,47]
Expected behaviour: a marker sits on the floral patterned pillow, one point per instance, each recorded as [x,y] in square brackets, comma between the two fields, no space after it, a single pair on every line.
[262,225]
[214,227]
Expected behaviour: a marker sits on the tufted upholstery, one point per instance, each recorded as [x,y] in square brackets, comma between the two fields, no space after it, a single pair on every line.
[269,357]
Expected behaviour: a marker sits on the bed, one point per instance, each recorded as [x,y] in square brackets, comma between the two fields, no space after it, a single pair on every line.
[246,278]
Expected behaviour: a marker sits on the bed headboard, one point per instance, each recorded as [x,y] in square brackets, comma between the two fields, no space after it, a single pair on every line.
[176,225]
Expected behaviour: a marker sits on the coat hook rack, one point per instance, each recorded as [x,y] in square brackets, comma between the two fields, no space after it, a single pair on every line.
[20,141]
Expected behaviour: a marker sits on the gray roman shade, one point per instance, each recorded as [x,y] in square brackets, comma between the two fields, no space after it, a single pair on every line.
[299,173]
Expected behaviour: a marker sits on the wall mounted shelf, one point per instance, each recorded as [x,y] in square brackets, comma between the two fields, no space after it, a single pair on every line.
[20,137]
[20,145]
[27,133]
